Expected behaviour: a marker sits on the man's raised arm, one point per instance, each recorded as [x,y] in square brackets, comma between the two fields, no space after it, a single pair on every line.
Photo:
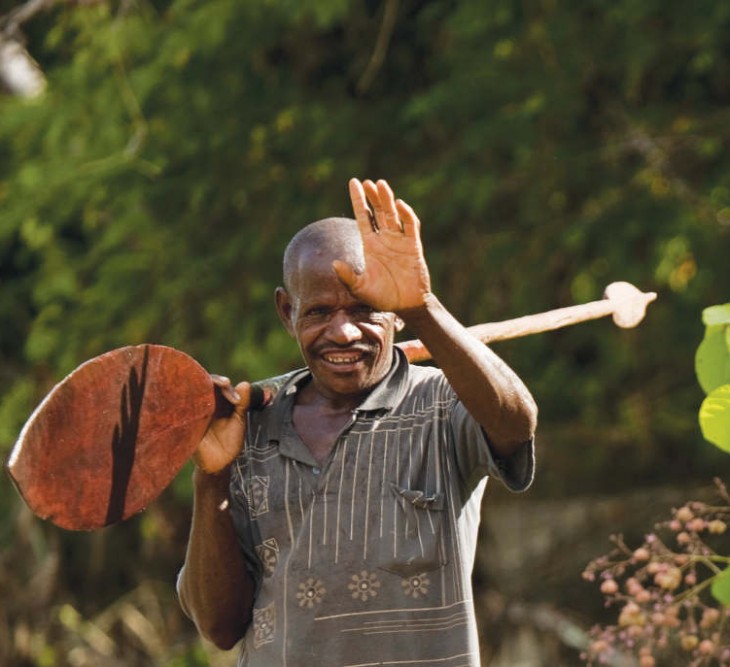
[396,279]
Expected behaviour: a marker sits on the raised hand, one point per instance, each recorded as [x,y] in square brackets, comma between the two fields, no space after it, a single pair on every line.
[395,277]
[223,440]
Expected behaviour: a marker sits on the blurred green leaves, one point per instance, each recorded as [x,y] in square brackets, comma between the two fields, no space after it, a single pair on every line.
[721,587]
[712,364]
[549,149]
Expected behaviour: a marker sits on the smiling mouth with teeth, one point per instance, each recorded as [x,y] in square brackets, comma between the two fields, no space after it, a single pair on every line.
[343,359]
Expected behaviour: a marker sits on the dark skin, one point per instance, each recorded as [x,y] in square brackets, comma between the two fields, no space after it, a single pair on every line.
[345,343]
[344,323]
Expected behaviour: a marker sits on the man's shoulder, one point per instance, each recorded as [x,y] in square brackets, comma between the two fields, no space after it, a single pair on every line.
[421,376]
[419,372]
[426,386]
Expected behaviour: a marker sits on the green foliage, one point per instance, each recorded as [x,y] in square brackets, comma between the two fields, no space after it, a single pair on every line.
[721,587]
[715,417]
[549,149]
[712,363]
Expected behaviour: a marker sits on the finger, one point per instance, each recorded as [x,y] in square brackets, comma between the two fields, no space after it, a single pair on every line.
[387,202]
[345,273]
[243,390]
[411,223]
[373,195]
[223,384]
[230,394]
[360,207]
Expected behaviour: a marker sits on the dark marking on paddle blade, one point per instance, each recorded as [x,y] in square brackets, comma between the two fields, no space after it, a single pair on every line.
[124,440]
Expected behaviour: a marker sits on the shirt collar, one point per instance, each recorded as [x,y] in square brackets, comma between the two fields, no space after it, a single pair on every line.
[389,391]
[384,396]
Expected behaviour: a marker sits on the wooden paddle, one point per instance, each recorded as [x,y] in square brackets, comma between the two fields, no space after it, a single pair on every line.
[112,435]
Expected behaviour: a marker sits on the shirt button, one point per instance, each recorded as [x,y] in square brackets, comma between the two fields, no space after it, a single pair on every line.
[315,471]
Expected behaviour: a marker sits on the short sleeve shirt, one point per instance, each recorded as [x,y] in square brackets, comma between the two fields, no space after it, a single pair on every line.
[367,559]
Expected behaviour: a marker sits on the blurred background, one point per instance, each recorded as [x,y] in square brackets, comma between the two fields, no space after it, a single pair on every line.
[156,156]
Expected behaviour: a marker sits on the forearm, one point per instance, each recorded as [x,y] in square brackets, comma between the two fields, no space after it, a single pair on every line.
[489,389]
[215,588]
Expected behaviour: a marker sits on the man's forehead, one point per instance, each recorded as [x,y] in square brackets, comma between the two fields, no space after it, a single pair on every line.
[313,264]
[317,279]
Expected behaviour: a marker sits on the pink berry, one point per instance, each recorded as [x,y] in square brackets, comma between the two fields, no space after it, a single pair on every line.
[717,527]
[669,580]
[609,587]
[641,554]
[696,525]
[633,586]
[684,514]
[599,646]
[710,616]
[706,647]
[643,596]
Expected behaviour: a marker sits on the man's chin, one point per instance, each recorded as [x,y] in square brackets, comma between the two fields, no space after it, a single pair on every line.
[354,379]
[343,383]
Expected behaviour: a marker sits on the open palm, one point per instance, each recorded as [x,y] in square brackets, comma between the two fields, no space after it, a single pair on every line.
[395,277]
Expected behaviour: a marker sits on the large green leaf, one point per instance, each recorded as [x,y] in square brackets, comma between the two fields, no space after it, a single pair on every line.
[712,360]
[715,315]
[721,587]
[715,417]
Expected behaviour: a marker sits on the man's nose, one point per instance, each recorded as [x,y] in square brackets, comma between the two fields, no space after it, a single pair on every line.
[342,329]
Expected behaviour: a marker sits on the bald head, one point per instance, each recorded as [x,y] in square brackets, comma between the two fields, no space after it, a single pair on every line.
[322,241]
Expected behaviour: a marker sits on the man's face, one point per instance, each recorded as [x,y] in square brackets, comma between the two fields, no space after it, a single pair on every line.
[346,344]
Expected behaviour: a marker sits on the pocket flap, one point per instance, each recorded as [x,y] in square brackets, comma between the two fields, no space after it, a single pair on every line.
[419,499]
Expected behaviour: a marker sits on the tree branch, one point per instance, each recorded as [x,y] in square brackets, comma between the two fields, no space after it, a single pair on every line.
[385,34]
[11,22]
[20,74]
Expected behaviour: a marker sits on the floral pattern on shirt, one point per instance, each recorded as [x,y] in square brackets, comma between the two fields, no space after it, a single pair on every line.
[416,586]
[364,585]
[259,495]
[311,592]
[268,554]
[264,625]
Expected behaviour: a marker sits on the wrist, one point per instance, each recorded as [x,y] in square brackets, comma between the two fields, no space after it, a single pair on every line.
[413,316]
[211,480]
[211,491]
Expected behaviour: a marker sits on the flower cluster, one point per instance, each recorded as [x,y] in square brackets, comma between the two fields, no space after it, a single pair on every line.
[662,592]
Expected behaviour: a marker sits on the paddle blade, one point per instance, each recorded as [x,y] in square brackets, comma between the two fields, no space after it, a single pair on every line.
[111,436]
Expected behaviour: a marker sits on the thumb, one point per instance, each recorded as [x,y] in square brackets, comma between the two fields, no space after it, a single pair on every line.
[346,274]
[243,389]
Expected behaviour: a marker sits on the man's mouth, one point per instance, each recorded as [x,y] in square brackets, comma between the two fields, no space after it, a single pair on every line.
[343,358]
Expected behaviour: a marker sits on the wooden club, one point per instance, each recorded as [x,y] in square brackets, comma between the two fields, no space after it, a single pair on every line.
[624,302]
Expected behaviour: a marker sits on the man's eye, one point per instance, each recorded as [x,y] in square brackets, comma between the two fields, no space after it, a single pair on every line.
[365,313]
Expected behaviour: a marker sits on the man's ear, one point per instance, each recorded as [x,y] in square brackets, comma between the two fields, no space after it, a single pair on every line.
[399,323]
[284,308]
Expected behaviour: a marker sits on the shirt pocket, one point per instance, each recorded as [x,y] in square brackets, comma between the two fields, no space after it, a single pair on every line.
[415,543]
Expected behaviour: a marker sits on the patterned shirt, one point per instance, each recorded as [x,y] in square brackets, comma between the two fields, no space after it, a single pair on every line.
[367,559]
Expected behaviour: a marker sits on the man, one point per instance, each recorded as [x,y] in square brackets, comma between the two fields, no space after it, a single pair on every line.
[344,532]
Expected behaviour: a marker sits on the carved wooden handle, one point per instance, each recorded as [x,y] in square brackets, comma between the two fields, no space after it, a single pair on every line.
[624,302]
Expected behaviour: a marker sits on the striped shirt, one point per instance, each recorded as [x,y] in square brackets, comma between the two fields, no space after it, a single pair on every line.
[367,559]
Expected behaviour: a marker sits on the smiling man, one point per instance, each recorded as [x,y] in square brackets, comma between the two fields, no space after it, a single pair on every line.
[343,533]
